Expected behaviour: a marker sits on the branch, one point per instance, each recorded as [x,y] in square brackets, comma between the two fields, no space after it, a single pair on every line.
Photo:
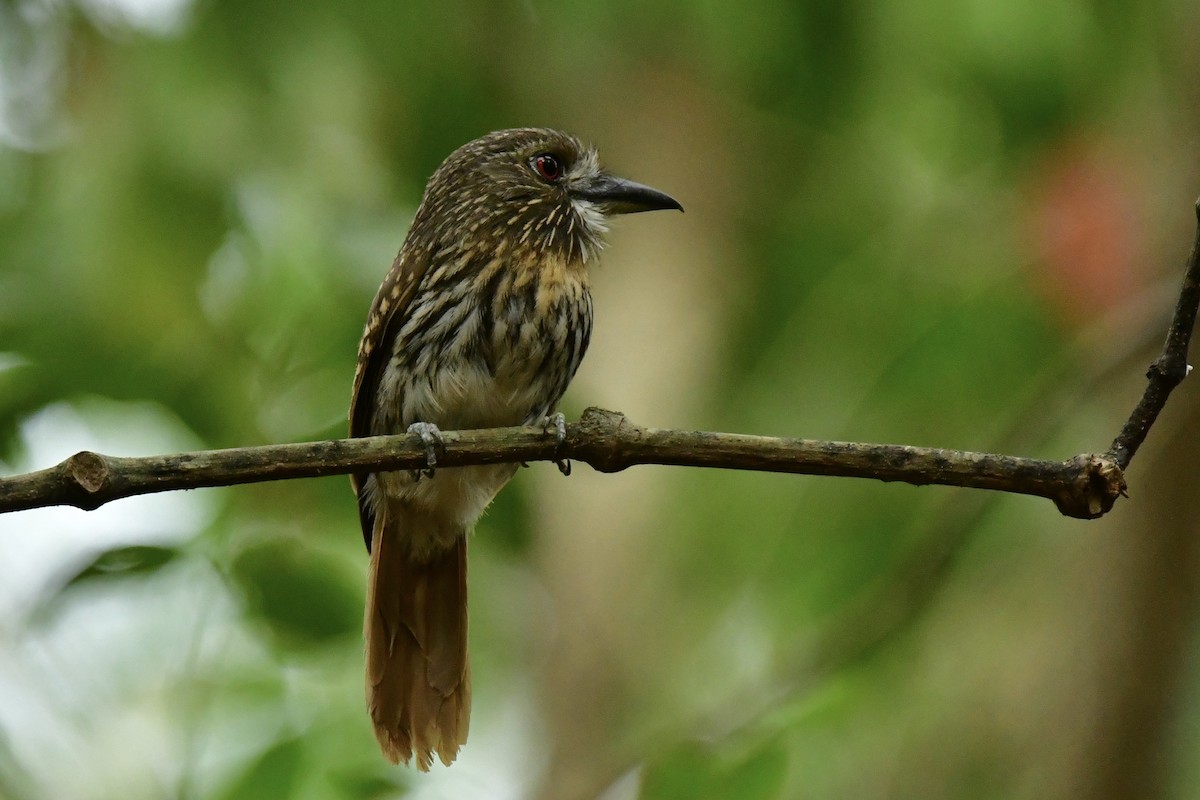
[1085,486]
[1171,366]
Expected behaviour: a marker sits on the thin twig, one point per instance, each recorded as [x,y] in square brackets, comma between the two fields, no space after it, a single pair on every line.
[1169,369]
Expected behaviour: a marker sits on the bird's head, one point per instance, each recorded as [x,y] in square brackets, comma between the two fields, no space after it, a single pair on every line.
[533,188]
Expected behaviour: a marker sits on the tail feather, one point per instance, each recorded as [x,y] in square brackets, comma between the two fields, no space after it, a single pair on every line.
[418,675]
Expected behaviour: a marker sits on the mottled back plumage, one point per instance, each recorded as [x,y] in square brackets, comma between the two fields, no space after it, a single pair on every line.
[482,321]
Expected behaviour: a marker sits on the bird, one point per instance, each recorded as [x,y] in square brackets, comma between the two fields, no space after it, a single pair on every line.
[481,322]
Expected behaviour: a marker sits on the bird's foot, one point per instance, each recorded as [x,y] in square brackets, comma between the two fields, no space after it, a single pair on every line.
[557,424]
[431,436]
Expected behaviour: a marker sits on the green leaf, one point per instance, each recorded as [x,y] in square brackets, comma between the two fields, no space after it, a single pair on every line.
[273,776]
[686,774]
[362,786]
[697,772]
[124,562]
[305,602]
[759,777]
[119,563]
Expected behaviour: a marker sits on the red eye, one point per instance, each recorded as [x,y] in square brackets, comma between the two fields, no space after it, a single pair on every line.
[547,167]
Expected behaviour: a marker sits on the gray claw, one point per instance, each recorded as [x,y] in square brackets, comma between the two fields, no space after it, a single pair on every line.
[431,436]
[558,423]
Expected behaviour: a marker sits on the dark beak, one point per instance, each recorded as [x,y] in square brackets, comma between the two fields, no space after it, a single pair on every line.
[619,196]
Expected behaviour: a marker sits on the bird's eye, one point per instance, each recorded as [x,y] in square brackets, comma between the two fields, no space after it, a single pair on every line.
[548,167]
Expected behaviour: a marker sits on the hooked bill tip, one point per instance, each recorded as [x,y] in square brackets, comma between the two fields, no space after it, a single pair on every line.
[620,196]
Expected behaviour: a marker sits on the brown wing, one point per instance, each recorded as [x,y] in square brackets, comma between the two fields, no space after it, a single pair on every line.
[387,315]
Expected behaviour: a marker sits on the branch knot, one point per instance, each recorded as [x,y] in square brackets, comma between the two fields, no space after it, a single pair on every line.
[88,472]
[603,439]
[1097,483]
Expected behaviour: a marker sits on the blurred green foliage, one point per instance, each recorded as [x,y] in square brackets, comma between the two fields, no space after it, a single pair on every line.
[902,218]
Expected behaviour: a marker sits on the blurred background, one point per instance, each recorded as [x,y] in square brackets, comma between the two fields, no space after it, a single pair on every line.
[957,223]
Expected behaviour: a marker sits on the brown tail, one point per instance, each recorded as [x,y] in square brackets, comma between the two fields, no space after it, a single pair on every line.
[418,676]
